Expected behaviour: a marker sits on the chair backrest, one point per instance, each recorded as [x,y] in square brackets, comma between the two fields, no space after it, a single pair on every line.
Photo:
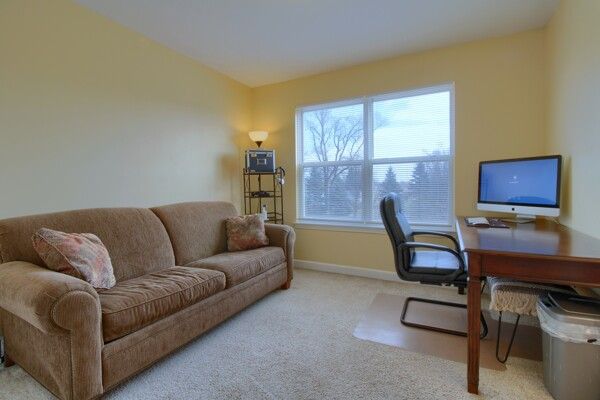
[398,229]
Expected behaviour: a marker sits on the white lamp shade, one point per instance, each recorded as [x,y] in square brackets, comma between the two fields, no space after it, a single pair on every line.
[258,136]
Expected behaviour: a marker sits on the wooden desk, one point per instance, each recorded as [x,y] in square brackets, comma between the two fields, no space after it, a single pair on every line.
[543,251]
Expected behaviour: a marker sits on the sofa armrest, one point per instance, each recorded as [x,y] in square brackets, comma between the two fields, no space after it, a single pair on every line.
[55,305]
[36,294]
[283,236]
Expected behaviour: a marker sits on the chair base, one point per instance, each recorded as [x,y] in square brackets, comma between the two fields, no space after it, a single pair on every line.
[403,320]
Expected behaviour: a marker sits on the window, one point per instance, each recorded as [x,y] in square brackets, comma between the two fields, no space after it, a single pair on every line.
[350,154]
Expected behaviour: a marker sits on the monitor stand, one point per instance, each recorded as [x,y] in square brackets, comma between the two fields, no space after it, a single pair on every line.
[521,219]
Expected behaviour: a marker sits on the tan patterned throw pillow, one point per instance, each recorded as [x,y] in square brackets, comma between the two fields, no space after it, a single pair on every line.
[82,255]
[246,232]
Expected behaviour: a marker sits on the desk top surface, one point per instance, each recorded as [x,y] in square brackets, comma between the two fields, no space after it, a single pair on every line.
[540,238]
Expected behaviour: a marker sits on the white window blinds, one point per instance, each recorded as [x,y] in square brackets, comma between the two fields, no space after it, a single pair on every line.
[351,154]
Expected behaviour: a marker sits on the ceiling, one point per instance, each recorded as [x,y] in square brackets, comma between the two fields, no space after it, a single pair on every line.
[258,42]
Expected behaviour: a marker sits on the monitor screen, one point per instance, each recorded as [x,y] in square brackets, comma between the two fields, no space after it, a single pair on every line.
[528,182]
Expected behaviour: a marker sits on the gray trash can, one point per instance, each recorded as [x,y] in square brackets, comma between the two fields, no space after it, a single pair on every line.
[571,344]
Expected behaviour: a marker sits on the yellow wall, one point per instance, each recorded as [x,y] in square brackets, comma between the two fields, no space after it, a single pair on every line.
[574,108]
[499,92]
[93,114]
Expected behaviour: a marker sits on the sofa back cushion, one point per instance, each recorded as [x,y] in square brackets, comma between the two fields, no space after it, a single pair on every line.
[197,229]
[136,240]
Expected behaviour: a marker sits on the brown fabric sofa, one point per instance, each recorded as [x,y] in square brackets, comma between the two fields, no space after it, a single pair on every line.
[175,280]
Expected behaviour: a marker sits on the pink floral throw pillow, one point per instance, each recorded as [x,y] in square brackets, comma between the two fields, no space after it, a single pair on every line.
[246,232]
[81,255]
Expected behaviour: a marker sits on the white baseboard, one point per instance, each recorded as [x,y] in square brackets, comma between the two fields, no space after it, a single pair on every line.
[348,270]
[356,271]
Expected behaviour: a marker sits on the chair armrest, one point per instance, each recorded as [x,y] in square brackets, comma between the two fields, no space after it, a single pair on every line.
[38,295]
[283,236]
[436,233]
[438,247]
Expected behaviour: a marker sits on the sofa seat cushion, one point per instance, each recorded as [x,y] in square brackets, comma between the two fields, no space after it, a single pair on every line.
[239,266]
[135,303]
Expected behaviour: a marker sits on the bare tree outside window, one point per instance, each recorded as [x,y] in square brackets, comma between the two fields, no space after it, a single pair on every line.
[409,153]
[332,138]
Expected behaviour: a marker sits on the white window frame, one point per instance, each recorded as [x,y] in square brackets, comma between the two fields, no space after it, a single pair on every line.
[368,162]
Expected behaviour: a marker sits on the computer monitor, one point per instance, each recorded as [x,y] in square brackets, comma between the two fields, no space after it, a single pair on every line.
[524,186]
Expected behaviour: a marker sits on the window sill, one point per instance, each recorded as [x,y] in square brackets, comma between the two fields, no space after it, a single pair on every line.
[363,228]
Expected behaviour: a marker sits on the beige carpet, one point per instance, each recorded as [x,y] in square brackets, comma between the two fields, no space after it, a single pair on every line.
[298,344]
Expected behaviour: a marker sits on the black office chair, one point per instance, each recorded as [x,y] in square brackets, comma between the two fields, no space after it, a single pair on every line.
[440,265]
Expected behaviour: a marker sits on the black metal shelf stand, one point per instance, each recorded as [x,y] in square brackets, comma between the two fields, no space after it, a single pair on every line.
[264,188]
